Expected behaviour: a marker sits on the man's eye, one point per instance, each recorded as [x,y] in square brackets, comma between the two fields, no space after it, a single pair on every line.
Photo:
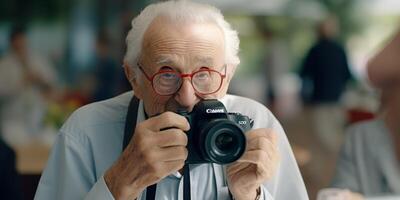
[203,75]
[168,76]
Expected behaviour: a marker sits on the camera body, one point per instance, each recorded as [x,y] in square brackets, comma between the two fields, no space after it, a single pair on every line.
[215,136]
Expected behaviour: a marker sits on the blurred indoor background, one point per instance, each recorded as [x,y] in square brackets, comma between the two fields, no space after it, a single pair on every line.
[79,46]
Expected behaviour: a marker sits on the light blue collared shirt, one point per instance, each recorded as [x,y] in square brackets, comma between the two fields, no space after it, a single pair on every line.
[91,141]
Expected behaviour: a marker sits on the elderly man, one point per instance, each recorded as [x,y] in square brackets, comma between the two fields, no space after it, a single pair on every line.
[179,53]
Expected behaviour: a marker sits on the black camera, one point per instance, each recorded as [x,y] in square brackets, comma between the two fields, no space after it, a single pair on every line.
[215,136]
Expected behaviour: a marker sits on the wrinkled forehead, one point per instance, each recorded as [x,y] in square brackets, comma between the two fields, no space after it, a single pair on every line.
[165,36]
[165,26]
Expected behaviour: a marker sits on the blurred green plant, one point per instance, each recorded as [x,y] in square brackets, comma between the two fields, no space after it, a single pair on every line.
[58,112]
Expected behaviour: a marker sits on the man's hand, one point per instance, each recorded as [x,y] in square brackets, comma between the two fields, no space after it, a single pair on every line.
[338,194]
[355,196]
[150,156]
[257,165]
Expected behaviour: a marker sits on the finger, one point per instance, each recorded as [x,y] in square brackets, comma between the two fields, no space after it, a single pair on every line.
[168,120]
[236,167]
[172,153]
[260,143]
[273,136]
[171,137]
[173,166]
[266,164]
[262,132]
[255,157]
[263,160]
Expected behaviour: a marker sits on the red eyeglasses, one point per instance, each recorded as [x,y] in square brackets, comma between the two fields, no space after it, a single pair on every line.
[168,82]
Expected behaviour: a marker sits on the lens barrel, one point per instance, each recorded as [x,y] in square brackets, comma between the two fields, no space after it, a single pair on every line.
[221,141]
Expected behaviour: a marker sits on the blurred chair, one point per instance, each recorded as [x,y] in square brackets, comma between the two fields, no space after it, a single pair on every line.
[357,115]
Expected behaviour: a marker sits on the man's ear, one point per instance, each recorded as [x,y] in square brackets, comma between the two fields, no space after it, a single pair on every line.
[131,75]
[230,71]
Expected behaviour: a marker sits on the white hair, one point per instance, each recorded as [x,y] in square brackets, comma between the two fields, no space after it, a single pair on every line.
[180,11]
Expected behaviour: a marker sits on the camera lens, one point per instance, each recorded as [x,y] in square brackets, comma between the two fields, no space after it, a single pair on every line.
[221,141]
[225,142]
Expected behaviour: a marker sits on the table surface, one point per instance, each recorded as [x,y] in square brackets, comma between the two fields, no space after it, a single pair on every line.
[32,157]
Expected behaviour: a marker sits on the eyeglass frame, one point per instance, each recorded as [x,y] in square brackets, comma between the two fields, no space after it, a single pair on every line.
[182,75]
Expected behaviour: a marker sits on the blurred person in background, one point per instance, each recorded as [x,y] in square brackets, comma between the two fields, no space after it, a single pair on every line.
[10,184]
[325,73]
[107,74]
[276,64]
[282,90]
[178,53]
[369,162]
[26,81]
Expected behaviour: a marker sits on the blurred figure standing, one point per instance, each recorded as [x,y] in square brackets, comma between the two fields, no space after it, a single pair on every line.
[276,64]
[282,85]
[26,82]
[325,73]
[107,73]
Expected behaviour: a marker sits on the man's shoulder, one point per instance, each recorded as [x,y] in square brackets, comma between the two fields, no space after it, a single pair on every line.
[255,110]
[365,126]
[102,113]
[239,102]
[367,131]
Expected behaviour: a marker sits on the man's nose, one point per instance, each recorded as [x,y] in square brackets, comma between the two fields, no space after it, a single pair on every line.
[186,95]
